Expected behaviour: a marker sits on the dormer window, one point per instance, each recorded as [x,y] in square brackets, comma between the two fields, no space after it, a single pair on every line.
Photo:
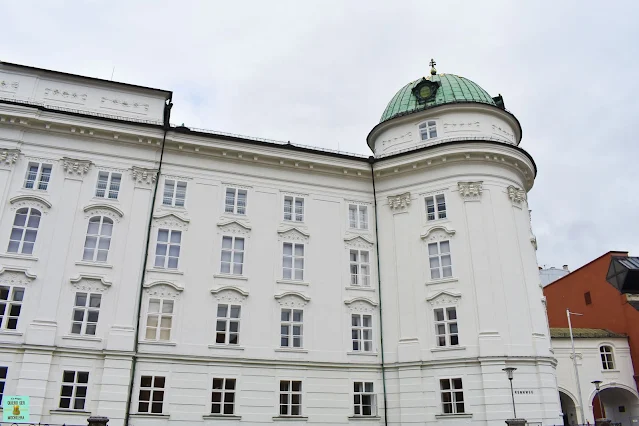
[428,130]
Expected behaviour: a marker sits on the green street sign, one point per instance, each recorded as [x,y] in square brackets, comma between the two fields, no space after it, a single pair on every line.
[15,409]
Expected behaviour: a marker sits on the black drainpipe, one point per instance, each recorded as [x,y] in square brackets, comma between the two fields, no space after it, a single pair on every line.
[371,161]
[134,360]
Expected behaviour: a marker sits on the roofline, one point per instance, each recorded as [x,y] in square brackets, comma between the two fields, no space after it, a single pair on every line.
[407,113]
[612,252]
[169,93]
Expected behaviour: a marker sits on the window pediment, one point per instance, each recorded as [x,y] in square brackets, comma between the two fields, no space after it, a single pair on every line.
[229,294]
[170,220]
[103,210]
[15,276]
[30,201]
[361,304]
[444,297]
[234,227]
[163,289]
[358,241]
[292,233]
[437,233]
[89,282]
[292,299]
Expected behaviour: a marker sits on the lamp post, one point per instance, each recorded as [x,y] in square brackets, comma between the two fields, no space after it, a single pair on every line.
[597,384]
[509,372]
[574,363]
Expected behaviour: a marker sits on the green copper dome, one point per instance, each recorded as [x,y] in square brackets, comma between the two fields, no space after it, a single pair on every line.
[452,88]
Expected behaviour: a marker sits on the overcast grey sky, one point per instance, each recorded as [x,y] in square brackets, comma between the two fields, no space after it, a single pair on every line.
[321,72]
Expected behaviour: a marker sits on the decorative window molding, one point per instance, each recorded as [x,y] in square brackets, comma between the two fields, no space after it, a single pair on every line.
[358,241]
[76,168]
[30,201]
[8,156]
[444,297]
[470,191]
[233,227]
[163,289]
[229,294]
[170,220]
[103,210]
[15,276]
[437,233]
[399,202]
[292,233]
[234,185]
[144,178]
[517,196]
[292,299]
[361,304]
[90,283]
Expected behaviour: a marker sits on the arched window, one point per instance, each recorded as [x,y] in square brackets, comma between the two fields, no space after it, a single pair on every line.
[428,130]
[607,357]
[25,230]
[98,241]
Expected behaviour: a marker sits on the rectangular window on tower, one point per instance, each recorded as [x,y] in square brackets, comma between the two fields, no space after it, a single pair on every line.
[436,207]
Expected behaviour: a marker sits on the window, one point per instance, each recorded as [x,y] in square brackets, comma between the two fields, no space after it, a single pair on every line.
[3,380]
[151,395]
[159,319]
[227,328]
[439,257]
[74,389]
[24,231]
[108,185]
[607,358]
[446,327]
[235,201]
[167,249]
[294,208]
[452,396]
[223,396]
[38,176]
[364,399]
[360,268]
[436,207]
[10,306]
[362,332]
[587,298]
[291,328]
[98,240]
[428,130]
[293,261]
[174,193]
[85,313]
[290,398]
[357,216]
[232,255]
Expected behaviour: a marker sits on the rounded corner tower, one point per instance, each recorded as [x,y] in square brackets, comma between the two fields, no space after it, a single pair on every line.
[460,290]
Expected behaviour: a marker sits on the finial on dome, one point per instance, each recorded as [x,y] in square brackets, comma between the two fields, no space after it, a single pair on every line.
[432,64]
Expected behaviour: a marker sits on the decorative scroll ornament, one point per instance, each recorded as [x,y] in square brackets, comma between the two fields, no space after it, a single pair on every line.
[361,305]
[229,294]
[516,195]
[75,167]
[292,299]
[470,190]
[8,156]
[398,202]
[90,282]
[444,298]
[144,177]
[163,289]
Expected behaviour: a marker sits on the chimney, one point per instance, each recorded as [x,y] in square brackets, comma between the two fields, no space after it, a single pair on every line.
[565,267]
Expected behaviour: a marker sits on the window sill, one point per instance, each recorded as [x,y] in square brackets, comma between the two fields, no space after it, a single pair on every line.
[362,353]
[221,416]
[166,271]
[72,412]
[82,337]
[290,418]
[438,221]
[359,230]
[287,222]
[364,418]
[293,282]
[11,332]
[442,280]
[157,343]
[448,348]
[103,199]
[227,347]
[234,216]
[231,276]
[94,264]
[18,256]
[360,288]
[150,416]
[454,416]
[610,371]
[293,350]
[171,207]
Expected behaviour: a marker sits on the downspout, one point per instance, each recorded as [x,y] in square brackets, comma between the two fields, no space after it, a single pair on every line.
[371,161]
[134,360]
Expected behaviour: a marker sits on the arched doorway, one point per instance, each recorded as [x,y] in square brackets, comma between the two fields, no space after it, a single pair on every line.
[620,405]
[568,408]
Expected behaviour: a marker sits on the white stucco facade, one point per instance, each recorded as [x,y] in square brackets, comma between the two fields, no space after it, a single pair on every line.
[486,282]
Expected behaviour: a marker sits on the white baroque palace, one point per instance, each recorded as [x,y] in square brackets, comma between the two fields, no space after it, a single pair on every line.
[157,274]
